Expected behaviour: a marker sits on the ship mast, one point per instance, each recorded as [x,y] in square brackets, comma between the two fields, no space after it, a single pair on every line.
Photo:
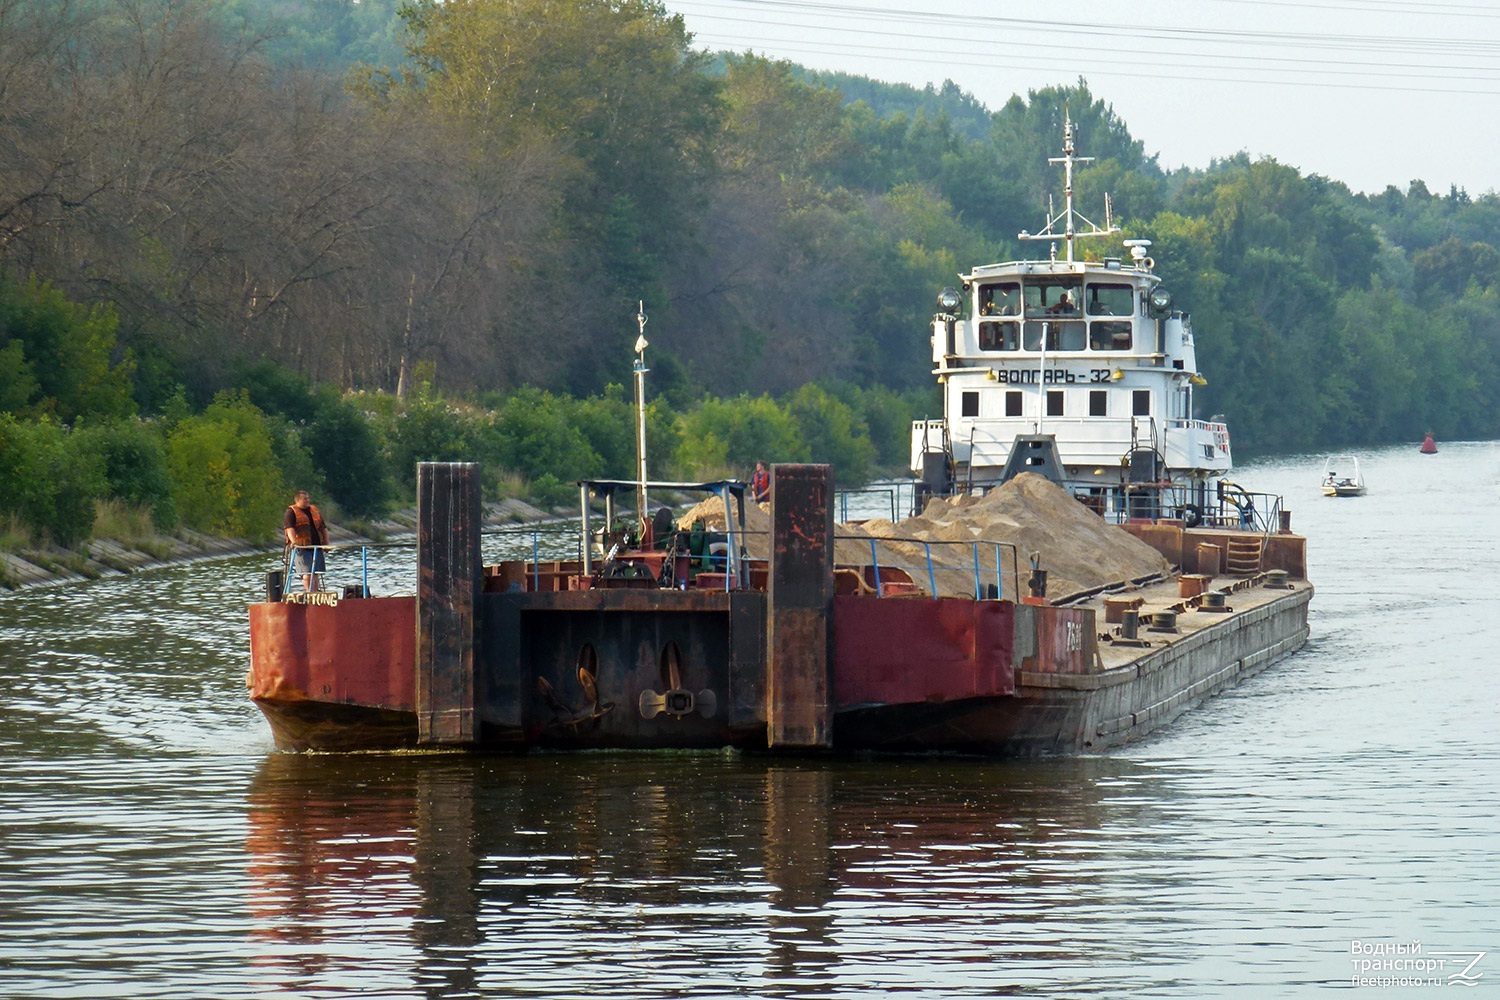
[640,418]
[1068,219]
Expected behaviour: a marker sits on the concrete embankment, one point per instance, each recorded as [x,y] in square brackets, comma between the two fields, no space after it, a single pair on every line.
[102,557]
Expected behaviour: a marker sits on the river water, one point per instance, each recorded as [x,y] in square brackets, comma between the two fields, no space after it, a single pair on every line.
[1340,808]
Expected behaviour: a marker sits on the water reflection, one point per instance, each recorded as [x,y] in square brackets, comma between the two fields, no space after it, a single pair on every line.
[797,877]
[151,847]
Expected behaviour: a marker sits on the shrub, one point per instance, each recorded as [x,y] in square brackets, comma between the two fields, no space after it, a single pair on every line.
[134,460]
[49,478]
[608,423]
[834,434]
[225,477]
[18,384]
[724,435]
[298,470]
[65,360]
[537,438]
[276,390]
[426,429]
[889,415]
[347,453]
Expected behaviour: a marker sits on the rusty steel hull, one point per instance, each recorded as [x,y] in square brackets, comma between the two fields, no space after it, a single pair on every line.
[645,669]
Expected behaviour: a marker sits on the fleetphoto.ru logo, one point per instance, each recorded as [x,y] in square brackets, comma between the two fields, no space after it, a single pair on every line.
[1403,963]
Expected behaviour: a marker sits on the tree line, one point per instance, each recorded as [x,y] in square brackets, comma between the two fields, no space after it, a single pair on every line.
[323,224]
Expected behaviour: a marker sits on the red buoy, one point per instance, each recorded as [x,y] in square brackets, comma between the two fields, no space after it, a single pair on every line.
[1429,446]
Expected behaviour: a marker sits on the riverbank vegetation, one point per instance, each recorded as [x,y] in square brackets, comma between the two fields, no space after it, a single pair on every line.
[253,245]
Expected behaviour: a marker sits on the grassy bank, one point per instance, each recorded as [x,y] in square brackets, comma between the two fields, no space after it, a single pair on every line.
[124,541]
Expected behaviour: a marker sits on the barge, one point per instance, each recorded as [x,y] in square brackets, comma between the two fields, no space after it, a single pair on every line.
[669,646]
[1068,387]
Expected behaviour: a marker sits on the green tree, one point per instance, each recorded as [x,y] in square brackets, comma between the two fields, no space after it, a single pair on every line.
[426,429]
[776,124]
[833,433]
[49,478]
[278,390]
[348,455]
[18,386]
[225,476]
[134,462]
[608,422]
[610,87]
[1447,270]
[537,437]
[726,437]
[59,357]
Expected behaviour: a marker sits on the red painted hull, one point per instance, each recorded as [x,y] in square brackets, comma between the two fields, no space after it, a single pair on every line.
[337,677]
[343,677]
[645,667]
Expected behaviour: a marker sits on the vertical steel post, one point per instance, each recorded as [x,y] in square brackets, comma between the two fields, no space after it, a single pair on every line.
[640,430]
[799,608]
[448,587]
[587,556]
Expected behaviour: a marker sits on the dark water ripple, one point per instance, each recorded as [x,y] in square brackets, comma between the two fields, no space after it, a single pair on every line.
[151,845]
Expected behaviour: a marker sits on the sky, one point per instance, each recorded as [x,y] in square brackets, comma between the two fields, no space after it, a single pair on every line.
[1368,92]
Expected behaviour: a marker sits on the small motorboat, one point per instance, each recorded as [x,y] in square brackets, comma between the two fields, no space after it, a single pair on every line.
[1342,478]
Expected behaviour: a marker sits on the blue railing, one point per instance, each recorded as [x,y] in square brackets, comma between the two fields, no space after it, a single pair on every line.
[291,571]
[977,565]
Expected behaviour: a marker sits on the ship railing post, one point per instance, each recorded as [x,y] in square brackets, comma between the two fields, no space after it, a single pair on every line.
[730,562]
[536,561]
[977,588]
[875,565]
[587,543]
[931,575]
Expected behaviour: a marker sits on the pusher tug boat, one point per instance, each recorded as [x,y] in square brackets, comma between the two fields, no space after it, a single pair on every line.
[1074,580]
[1080,370]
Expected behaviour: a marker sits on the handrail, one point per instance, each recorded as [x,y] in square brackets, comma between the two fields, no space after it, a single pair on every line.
[289,552]
[892,493]
[932,567]
[732,562]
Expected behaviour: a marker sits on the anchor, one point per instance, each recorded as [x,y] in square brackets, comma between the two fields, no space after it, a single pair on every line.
[676,701]
[565,715]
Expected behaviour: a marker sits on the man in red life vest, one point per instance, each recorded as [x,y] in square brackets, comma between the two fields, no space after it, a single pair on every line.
[760,484]
[304,528]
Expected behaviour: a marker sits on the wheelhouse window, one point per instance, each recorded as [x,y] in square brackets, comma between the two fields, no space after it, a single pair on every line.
[1003,299]
[1111,300]
[1053,297]
[1140,402]
[996,336]
[1110,335]
[1061,336]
